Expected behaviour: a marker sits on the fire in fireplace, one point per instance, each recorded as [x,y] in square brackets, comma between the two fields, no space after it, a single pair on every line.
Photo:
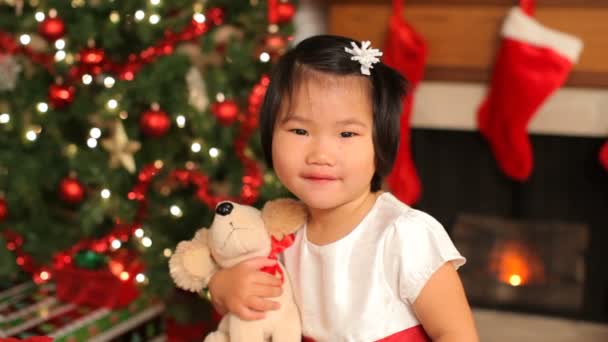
[513,262]
[531,265]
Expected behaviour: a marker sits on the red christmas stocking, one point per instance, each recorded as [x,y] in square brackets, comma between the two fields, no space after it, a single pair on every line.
[405,50]
[604,156]
[533,62]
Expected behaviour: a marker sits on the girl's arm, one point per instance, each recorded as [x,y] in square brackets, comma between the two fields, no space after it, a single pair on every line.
[443,310]
[244,290]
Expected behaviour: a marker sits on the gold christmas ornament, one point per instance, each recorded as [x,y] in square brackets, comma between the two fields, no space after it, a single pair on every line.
[121,149]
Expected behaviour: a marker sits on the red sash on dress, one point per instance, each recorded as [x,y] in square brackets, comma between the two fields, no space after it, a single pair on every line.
[413,334]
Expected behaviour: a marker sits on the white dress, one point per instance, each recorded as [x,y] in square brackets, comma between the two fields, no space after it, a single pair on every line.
[361,288]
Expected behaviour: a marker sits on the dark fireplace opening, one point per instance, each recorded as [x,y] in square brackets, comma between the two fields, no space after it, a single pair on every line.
[539,246]
[523,264]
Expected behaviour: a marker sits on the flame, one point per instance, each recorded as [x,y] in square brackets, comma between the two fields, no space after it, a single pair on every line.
[515,280]
[513,263]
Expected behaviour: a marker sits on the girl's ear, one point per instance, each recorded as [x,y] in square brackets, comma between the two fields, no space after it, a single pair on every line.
[283,216]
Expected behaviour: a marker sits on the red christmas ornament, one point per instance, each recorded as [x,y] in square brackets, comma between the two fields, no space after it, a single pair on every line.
[154,123]
[92,57]
[285,12]
[61,95]
[275,42]
[71,190]
[275,45]
[216,15]
[226,112]
[52,29]
[3,209]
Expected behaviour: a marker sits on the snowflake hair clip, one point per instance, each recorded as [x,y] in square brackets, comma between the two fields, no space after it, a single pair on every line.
[364,55]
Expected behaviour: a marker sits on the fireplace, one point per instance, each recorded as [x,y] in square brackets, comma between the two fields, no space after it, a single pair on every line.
[538,247]
[521,264]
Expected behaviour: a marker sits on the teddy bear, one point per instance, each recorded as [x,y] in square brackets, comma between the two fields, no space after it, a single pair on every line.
[237,233]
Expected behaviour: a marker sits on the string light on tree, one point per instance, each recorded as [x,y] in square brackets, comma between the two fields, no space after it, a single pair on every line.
[140,278]
[92,142]
[195,147]
[140,15]
[139,233]
[167,253]
[60,44]
[42,107]
[116,244]
[181,121]
[105,193]
[109,81]
[146,242]
[214,152]
[87,79]
[176,211]
[199,18]
[39,16]
[264,57]
[112,104]
[114,17]
[31,135]
[154,19]
[25,39]
[60,56]
[95,133]
[42,277]
[5,118]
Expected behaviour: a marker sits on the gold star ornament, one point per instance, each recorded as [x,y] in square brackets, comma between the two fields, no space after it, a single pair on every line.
[121,149]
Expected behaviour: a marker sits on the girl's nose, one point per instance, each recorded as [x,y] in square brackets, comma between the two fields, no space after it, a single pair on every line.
[319,154]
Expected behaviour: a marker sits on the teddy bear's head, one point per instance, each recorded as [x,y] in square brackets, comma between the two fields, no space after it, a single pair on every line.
[238,232]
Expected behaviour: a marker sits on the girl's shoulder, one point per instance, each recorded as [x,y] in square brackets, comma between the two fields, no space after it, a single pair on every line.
[415,246]
[400,216]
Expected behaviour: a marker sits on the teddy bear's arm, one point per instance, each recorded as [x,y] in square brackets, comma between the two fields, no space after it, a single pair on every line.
[191,265]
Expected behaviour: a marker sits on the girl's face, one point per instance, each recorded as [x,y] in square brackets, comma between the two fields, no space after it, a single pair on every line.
[322,147]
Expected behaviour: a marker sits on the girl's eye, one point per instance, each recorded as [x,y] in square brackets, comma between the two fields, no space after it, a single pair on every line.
[347,134]
[299,131]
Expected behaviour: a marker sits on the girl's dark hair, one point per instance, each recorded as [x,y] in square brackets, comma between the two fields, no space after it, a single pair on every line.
[326,54]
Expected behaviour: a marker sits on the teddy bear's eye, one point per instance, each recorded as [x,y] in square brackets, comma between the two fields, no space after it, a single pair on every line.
[224,209]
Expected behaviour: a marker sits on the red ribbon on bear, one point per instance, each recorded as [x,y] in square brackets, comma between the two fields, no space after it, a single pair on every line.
[278,246]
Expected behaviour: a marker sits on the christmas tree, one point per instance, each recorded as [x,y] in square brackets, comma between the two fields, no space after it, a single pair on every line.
[123,124]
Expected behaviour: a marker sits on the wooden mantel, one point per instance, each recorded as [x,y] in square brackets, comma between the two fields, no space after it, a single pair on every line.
[463,34]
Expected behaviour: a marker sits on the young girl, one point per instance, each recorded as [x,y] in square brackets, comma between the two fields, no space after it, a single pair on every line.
[365,267]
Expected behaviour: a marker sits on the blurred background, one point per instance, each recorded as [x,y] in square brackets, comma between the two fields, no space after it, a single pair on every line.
[122,124]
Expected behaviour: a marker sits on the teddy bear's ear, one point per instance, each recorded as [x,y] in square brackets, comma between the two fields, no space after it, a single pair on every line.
[283,216]
[191,264]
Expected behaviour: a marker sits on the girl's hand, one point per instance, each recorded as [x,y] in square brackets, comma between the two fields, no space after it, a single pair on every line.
[243,289]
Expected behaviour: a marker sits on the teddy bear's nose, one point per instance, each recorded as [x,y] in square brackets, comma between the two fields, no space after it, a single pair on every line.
[224,208]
